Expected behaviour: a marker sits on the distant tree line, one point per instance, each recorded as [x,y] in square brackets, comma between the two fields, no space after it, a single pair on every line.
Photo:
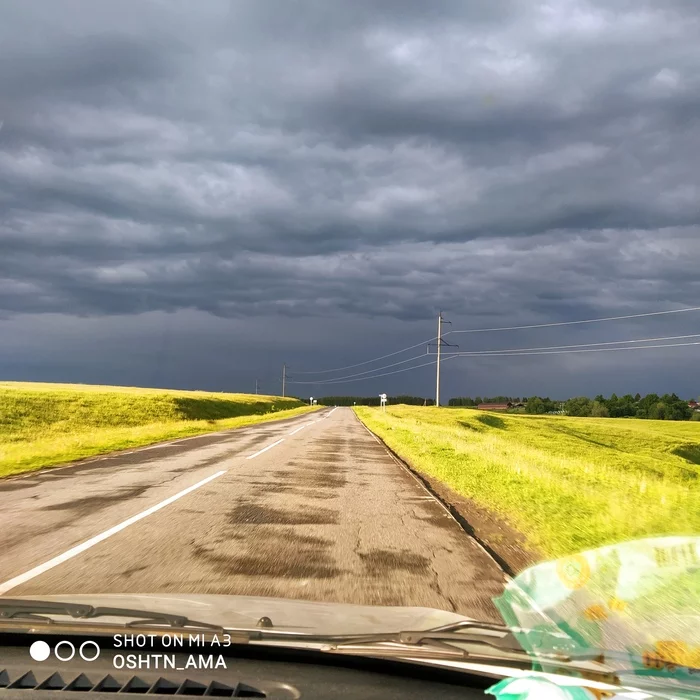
[539,405]
[651,406]
[468,401]
[374,400]
[533,404]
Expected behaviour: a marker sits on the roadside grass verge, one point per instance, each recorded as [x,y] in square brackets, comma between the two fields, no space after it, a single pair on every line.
[48,424]
[567,484]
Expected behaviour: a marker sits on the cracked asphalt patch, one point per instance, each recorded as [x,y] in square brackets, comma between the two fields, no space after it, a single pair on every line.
[255,514]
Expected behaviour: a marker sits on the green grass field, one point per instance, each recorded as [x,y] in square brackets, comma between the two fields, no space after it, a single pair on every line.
[567,484]
[49,424]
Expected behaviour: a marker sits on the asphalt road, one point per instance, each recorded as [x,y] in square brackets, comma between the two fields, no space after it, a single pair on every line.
[312,507]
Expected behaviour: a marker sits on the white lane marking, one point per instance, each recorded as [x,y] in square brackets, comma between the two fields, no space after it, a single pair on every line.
[265,449]
[78,549]
[328,414]
[294,432]
[103,458]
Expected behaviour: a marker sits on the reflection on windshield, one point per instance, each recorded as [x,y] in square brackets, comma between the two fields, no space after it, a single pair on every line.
[631,606]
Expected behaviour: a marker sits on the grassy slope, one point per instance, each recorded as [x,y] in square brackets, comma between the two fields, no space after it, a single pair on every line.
[567,483]
[48,424]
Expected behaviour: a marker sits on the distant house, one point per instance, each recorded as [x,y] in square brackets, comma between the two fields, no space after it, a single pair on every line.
[494,406]
[694,405]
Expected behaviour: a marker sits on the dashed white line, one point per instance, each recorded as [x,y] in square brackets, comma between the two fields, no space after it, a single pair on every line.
[294,432]
[265,449]
[329,413]
[51,563]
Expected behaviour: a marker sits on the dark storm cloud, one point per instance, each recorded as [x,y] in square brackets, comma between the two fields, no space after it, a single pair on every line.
[503,159]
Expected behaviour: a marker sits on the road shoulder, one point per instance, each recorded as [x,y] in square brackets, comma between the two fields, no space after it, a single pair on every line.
[502,541]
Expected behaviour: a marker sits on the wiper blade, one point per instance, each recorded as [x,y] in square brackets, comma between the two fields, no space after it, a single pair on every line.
[465,640]
[448,647]
[495,636]
[38,610]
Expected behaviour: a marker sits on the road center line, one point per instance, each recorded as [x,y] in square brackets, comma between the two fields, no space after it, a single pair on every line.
[297,430]
[265,449]
[78,549]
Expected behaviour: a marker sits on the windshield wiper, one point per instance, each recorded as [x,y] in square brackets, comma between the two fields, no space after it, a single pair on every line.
[486,642]
[466,631]
[38,610]
[463,641]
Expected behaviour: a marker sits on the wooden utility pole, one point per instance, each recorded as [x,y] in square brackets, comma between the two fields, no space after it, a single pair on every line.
[440,343]
[439,347]
[284,378]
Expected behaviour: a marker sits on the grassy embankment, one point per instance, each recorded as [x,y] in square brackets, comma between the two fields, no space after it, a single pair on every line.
[49,424]
[567,484]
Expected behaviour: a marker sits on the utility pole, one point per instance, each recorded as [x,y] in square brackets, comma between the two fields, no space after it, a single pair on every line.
[439,347]
[284,377]
[256,386]
[440,343]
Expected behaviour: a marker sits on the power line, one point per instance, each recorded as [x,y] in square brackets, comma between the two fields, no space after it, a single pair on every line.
[483,353]
[501,354]
[572,323]
[367,362]
[569,352]
[368,371]
[580,345]
[360,379]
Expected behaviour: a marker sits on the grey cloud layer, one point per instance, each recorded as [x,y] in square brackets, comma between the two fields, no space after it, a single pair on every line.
[361,158]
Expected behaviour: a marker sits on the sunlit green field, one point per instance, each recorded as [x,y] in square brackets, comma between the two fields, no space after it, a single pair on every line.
[49,424]
[567,484]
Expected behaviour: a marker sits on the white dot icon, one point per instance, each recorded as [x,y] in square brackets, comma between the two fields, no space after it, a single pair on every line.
[39,651]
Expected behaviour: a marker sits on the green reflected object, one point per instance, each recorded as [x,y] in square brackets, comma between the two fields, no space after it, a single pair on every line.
[633,606]
[530,688]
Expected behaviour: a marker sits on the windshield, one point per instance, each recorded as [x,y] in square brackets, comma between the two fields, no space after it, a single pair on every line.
[369,305]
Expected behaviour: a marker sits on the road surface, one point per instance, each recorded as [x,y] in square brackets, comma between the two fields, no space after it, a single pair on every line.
[312,507]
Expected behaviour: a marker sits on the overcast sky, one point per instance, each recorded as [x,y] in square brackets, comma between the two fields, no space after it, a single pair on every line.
[193,193]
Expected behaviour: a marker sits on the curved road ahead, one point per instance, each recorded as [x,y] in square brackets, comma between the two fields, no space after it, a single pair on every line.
[312,507]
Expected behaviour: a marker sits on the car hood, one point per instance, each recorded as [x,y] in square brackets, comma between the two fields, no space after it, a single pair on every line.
[293,615]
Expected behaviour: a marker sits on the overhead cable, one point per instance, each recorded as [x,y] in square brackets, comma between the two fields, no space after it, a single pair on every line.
[366,362]
[572,323]
[564,347]
[567,352]
[360,379]
[368,371]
